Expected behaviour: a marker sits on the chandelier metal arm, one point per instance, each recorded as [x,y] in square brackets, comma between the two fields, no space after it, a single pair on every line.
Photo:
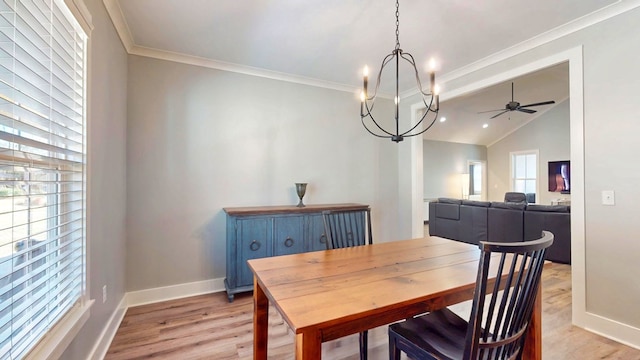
[385,61]
[368,102]
[370,115]
[374,134]
[435,117]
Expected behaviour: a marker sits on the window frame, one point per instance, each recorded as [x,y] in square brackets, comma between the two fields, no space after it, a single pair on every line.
[512,169]
[60,334]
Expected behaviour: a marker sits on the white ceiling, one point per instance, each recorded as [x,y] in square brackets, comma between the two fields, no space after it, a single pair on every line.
[464,124]
[331,40]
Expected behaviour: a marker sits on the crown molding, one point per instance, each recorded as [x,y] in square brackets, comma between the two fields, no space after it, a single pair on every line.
[117,17]
[241,69]
[576,25]
[119,22]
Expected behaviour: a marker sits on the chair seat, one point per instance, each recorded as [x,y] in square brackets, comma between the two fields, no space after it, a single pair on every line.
[441,333]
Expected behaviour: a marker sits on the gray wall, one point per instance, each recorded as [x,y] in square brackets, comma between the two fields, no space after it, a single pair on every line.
[106,147]
[201,139]
[443,164]
[549,134]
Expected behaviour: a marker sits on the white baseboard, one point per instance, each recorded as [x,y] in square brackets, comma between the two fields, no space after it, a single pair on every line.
[611,329]
[101,346]
[149,296]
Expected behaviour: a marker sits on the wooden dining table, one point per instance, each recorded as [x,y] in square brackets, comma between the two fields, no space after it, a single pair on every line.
[325,295]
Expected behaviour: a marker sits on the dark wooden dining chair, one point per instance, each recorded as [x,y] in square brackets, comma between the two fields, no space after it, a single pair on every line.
[348,228]
[442,334]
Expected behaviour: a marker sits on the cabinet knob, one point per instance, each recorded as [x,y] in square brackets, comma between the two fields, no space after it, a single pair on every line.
[323,239]
[288,242]
[255,245]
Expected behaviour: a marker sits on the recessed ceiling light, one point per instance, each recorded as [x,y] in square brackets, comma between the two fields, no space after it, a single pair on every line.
[443,119]
[485,126]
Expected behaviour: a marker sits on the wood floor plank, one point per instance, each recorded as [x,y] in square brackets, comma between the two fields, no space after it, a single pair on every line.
[209,327]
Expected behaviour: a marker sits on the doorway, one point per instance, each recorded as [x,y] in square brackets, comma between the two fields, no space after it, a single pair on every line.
[574,58]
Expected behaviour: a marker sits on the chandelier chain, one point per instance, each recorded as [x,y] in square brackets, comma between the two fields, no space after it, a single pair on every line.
[397,25]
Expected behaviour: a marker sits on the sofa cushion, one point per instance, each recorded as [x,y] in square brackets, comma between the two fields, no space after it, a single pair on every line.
[448,211]
[549,208]
[508,205]
[476,203]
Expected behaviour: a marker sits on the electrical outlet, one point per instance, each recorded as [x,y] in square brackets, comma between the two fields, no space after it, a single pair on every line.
[104,294]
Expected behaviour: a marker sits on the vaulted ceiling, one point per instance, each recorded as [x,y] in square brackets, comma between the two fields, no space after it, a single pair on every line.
[327,42]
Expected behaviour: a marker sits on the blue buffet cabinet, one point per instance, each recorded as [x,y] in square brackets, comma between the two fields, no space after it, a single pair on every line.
[257,232]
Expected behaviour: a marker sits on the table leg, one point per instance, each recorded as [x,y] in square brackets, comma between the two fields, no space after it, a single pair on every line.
[308,346]
[533,341]
[260,322]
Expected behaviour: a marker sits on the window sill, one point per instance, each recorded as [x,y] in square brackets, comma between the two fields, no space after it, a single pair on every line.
[60,336]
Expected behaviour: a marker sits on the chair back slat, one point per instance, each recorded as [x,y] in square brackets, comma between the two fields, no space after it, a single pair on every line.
[500,314]
[347,228]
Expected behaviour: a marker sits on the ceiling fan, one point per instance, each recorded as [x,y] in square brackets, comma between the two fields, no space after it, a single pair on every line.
[515,106]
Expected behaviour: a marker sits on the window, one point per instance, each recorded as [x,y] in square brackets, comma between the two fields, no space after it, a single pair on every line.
[42,170]
[524,170]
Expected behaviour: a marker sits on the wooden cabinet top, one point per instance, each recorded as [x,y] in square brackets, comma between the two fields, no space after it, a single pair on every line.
[291,209]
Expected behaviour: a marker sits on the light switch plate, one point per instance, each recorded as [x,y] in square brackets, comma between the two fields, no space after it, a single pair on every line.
[608,197]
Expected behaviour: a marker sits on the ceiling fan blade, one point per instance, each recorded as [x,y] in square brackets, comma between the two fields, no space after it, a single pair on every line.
[496,115]
[540,103]
[482,112]
[528,111]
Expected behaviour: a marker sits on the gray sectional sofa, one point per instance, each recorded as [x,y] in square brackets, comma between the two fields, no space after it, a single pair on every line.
[472,221]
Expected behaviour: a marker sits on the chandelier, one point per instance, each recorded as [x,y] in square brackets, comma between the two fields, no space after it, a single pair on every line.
[430,99]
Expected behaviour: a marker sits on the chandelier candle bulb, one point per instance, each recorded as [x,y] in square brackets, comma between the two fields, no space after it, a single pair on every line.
[432,74]
[366,79]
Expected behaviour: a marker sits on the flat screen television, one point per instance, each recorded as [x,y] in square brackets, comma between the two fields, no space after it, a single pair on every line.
[560,176]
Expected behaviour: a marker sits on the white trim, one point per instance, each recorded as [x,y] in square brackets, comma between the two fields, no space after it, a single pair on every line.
[417,177]
[576,118]
[56,340]
[117,18]
[583,22]
[81,13]
[578,233]
[242,69]
[148,296]
[154,295]
[119,21]
[101,346]
[613,330]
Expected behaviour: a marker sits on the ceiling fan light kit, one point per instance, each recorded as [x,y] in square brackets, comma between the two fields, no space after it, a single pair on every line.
[515,106]
[430,99]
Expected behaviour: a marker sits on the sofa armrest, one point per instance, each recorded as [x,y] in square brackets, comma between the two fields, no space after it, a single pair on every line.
[557,220]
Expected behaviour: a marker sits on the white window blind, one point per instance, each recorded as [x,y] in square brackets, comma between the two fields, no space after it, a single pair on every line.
[42,170]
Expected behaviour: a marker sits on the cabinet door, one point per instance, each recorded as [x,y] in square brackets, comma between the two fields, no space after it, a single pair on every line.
[288,235]
[253,242]
[317,237]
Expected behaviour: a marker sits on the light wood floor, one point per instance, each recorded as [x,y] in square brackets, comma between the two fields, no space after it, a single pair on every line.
[209,327]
